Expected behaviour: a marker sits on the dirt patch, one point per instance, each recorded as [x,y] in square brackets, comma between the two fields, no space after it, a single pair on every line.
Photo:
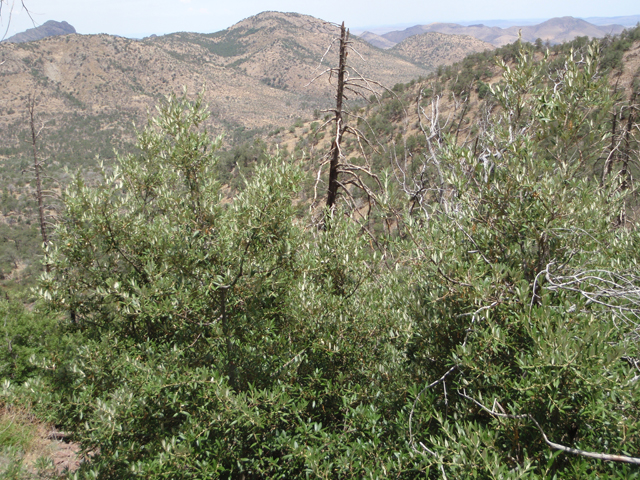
[31,449]
[64,455]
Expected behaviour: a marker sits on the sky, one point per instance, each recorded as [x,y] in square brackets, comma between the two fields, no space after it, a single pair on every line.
[139,18]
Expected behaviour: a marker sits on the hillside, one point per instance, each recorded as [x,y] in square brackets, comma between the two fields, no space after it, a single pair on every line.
[461,95]
[256,74]
[434,49]
[555,30]
[376,40]
[283,51]
[91,89]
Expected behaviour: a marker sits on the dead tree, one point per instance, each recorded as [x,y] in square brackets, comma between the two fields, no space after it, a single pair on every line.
[624,148]
[37,167]
[332,191]
[343,173]
[440,121]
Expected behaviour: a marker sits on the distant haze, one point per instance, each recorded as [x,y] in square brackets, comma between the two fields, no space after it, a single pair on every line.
[138,18]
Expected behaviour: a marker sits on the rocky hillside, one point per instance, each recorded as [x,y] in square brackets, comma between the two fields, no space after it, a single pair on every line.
[256,75]
[283,51]
[433,49]
[461,94]
[47,29]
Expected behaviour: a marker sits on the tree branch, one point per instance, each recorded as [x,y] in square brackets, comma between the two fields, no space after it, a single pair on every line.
[576,451]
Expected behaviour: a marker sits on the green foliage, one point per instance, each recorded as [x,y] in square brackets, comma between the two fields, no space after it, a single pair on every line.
[15,433]
[23,335]
[228,48]
[483,90]
[217,341]
[614,47]
[393,110]
[238,163]
[223,339]
[11,465]
[20,249]
[489,304]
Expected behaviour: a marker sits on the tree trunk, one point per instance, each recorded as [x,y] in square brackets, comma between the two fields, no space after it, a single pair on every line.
[332,191]
[37,167]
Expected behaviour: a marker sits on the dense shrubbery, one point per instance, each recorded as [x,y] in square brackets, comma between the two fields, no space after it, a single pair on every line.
[25,337]
[223,339]
[509,263]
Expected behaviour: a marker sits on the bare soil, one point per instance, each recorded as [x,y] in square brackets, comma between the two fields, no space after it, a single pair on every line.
[42,451]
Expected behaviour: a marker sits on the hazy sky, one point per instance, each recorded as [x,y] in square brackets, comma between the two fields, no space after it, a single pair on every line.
[137,18]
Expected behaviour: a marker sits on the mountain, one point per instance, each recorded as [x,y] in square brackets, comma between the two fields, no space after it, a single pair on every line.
[284,51]
[555,30]
[432,49]
[94,91]
[47,29]
[558,30]
[257,73]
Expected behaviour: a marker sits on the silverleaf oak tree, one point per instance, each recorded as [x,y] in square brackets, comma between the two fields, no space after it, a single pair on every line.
[221,339]
[219,335]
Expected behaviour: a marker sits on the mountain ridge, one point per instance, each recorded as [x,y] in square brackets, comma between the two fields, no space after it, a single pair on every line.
[554,30]
[433,49]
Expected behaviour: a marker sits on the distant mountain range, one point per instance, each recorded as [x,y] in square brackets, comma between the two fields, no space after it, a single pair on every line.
[47,29]
[555,30]
[497,33]
[627,21]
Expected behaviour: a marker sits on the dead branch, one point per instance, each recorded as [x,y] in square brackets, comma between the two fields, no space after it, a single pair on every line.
[556,446]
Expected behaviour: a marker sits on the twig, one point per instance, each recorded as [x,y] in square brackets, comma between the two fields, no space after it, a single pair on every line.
[415,402]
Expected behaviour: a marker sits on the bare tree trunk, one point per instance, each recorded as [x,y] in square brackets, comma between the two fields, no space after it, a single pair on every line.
[332,191]
[609,162]
[37,169]
[626,156]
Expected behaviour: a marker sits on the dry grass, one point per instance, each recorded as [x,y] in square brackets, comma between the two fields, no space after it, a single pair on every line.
[26,450]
